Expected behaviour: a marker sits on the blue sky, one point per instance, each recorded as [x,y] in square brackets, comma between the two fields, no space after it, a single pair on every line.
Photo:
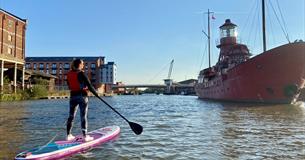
[143,36]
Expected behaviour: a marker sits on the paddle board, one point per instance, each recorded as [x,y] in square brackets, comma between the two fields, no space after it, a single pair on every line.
[60,149]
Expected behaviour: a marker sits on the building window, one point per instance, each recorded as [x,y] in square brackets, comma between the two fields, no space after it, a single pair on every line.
[9,37]
[10,23]
[60,65]
[41,65]
[53,71]
[47,65]
[67,66]
[27,66]
[53,65]
[34,66]
[9,50]
[47,71]
[92,65]
[60,71]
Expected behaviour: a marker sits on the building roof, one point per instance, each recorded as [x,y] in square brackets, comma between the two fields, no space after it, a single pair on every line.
[16,17]
[30,72]
[42,74]
[228,23]
[189,81]
[61,59]
[108,65]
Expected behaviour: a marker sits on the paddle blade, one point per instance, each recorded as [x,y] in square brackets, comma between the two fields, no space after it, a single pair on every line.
[136,128]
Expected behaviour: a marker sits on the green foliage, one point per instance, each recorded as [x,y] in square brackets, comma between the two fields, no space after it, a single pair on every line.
[40,81]
[6,80]
[8,97]
[25,94]
[154,90]
[19,95]
[6,85]
[38,91]
[59,93]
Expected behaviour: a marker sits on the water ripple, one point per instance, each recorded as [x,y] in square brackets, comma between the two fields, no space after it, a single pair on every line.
[175,127]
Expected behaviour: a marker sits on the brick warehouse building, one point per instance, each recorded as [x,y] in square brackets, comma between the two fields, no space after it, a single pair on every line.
[59,67]
[12,45]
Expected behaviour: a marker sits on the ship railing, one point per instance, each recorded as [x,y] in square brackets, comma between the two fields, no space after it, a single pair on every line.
[238,40]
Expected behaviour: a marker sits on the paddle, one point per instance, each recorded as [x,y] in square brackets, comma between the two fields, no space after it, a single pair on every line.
[136,128]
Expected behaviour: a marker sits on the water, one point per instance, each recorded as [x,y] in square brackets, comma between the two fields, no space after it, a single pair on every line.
[175,127]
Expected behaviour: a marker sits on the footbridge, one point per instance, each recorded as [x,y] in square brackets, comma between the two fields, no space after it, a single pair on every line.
[139,86]
[175,88]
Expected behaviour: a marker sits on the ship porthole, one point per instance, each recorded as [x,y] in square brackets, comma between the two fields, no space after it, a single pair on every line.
[259,66]
[270,90]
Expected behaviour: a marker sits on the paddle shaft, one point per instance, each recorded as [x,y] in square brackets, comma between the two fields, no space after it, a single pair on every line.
[136,128]
[112,108]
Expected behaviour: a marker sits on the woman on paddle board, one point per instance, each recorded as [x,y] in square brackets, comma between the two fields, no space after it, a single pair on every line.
[79,86]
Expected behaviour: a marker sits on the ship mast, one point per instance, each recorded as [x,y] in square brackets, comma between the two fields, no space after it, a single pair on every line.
[264,25]
[209,36]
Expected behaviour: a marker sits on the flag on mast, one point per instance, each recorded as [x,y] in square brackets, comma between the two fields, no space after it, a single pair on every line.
[213,17]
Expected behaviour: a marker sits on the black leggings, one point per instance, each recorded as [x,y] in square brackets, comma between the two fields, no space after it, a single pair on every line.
[82,102]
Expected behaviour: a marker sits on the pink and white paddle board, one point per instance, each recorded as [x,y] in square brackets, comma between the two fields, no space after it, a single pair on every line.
[60,149]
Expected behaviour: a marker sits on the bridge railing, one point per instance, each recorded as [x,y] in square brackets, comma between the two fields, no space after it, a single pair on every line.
[151,85]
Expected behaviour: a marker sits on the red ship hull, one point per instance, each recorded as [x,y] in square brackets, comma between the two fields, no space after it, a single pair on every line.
[275,76]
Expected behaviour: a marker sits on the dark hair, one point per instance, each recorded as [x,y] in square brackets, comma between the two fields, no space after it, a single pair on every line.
[75,64]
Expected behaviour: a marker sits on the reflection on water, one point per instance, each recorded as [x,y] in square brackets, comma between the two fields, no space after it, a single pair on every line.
[11,127]
[175,127]
[259,132]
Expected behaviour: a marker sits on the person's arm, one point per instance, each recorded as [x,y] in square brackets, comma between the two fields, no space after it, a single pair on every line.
[88,83]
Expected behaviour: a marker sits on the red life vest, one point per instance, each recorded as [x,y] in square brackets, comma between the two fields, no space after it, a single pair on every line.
[74,84]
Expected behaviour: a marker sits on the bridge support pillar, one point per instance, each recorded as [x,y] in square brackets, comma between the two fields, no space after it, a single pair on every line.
[169,86]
